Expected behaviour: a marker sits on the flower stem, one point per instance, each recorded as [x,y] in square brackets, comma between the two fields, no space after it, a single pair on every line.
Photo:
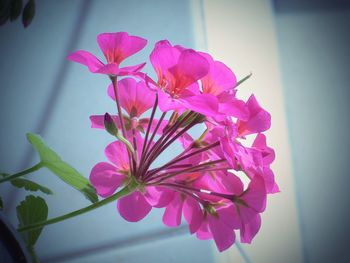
[125,191]
[181,157]
[122,124]
[27,171]
[149,124]
[196,168]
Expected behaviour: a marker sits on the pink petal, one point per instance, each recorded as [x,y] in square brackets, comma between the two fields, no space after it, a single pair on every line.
[87,59]
[231,183]
[190,68]
[109,69]
[133,207]
[193,214]
[260,144]
[166,102]
[163,57]
[255,196]
[223,235]
[105,178]
[159,196]
[135,97]
[118,46]
[205,104]
[97,121]
[173,212]
[219,78]
[259,119]
[231,106]
[249,230]
[116,153]
[203,233]
[131,70]
[270,183]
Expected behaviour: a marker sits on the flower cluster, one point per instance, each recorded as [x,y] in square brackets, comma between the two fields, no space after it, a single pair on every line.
[217,184]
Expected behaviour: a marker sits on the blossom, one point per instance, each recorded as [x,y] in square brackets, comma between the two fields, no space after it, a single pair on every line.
[201,183]
[178,70]
[116,47]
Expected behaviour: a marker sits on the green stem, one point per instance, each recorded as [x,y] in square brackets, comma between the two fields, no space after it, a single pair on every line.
[125,191]
[27,171]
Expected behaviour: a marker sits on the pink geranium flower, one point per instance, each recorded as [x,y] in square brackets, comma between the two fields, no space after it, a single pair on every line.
[107,178]
[200,183]
[259,119]
[116,47]
[178,70]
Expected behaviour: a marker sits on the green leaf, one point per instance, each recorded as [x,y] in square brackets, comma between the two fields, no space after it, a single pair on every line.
[30,186]
[30,211]
[16,8]
[63,170]
[242,80]
[28,13]
[4,174]
[1,203]
[4,11]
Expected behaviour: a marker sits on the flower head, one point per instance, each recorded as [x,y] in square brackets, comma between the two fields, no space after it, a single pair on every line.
[116,47]
[203,184]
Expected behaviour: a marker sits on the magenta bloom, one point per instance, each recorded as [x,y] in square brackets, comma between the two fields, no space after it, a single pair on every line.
[116,47]
[201,183]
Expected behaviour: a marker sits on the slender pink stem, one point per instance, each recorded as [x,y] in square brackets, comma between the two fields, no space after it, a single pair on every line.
[196,168]
[226,196]
[179,158]
[149,124]
[116,94]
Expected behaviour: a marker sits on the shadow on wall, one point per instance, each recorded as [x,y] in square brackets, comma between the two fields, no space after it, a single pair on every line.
[314,45]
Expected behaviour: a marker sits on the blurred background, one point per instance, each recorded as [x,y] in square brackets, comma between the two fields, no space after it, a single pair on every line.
[298,52]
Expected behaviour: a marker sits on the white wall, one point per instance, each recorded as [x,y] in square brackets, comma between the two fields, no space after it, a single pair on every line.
[242,34]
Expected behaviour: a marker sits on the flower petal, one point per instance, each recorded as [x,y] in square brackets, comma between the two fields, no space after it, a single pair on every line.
[131,70]
[118,46]
[259,119]
[193,214]
[223,235]
[133,207]
[203,233]
[219,78]
[190,68]
[163,57]
[249,230]
[159,196]
[87,59]
[97,121]
[105,178]
[135,97]
[205,104]
[116,153]
[173,212]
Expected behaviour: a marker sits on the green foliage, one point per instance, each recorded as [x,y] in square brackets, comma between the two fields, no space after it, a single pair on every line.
[30,186]
[28,13]
[243,80]
[16,9]
[30,211]
[63,170]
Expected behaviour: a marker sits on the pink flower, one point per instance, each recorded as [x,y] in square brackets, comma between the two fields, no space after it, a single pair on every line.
[178,70]
[259,119]
[107,178]
[199,184]
[116,47]
[135,97]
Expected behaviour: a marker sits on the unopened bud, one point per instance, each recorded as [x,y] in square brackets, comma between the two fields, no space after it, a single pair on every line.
[110,125]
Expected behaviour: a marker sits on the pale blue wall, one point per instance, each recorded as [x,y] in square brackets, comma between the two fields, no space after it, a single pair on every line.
[314,46]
